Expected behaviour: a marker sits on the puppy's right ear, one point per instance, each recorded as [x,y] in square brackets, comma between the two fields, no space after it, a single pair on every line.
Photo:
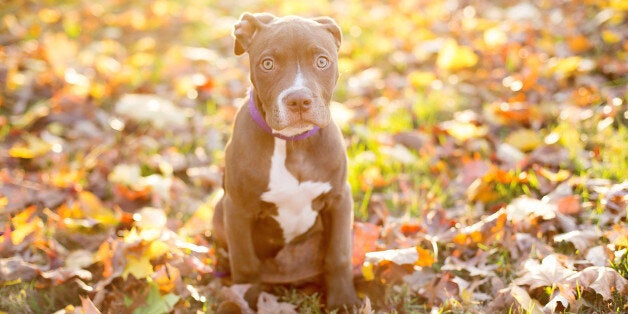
[246,27]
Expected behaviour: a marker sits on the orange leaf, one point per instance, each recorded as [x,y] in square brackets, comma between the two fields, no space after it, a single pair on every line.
[426,258]
[88,306]
[579,43]
[365,237]
[569,205]
[165,277]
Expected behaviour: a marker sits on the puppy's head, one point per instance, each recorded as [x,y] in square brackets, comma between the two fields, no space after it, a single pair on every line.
[294,67]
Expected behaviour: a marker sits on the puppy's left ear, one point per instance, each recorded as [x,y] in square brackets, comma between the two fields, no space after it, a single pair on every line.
[332,27]
[244,30]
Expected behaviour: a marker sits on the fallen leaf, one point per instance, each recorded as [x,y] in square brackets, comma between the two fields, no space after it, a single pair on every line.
[32,148]
[524,206]
[365,237]
[524,140]
[602,280]
[425,257]
[581,239]
[165,277]
[463,131]
[269,304]
[453,57]
[26,223]
[156,303]
[156,111]
[88,306]
[548,273]
[526,303]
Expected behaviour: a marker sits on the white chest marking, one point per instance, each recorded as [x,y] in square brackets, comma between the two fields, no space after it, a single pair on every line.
[292,198]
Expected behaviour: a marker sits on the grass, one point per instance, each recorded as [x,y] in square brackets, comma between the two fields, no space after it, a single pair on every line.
[26,297]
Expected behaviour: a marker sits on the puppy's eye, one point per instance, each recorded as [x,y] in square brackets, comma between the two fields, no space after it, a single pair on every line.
[268,64]
[322,62]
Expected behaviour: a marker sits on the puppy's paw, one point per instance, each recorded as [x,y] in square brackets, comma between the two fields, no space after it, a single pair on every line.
[344,303]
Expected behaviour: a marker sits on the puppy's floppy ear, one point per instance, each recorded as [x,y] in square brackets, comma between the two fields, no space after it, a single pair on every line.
[246,27]
[332,27]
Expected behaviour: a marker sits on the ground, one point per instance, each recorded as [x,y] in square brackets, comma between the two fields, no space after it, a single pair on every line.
[486,141]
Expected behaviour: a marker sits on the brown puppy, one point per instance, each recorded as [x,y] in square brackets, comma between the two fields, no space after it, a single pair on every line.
[286,167]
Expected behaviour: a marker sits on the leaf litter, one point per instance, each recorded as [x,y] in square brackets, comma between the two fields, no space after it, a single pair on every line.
[486,145]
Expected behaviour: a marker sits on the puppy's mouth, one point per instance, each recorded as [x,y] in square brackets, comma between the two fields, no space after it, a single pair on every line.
[294,123]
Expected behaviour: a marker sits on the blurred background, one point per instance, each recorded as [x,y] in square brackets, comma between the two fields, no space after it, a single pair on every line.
[110,106]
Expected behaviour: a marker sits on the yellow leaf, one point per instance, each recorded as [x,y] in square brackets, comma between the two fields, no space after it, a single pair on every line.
[157,249]
[137,265]
[33,148]
[367,271]
[610,37]
[425,259]
[619,5]
[463,131]
[93,208]
[199,222]
[454,57]
[524,139]
[4,201]
[25,223]
[565,67]
[66,178]
[559,176]
[420,79]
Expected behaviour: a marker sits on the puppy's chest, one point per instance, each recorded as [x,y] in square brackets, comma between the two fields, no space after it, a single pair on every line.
[292,197]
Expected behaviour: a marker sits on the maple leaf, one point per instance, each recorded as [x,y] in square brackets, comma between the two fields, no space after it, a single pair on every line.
[549,272]
[137,265]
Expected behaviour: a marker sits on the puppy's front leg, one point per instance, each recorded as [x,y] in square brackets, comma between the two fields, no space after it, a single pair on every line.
[338,274]
[245,266]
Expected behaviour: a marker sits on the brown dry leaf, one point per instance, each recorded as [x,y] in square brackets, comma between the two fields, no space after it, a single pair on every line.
[15,268]
[550,272]
[488,228]
[88,306]
[233,298]
[440,289]
[602,280]
[269,304]
[581,239]
[526,303]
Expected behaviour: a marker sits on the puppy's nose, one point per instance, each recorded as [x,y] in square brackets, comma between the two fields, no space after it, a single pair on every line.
[299,100]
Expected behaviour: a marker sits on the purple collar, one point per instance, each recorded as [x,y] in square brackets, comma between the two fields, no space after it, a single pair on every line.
[259,120]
